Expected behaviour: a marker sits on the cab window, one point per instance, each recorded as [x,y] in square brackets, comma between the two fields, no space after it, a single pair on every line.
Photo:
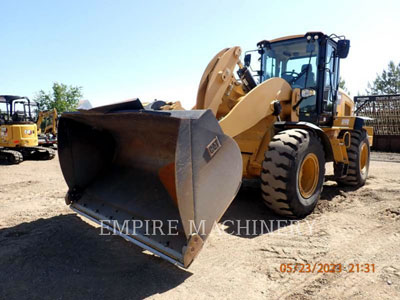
[330,78]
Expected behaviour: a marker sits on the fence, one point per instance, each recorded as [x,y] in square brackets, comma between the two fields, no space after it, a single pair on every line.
[385,114]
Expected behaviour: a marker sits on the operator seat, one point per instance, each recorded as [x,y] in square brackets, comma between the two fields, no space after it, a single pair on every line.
[301,81]
[15,117]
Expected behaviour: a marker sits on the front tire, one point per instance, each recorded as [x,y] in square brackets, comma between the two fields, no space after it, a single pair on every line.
[293,173]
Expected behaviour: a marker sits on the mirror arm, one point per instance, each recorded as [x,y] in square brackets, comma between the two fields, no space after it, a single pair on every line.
[298,103]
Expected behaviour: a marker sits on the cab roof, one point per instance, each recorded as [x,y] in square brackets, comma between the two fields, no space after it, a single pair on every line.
[11,98]
[290,37]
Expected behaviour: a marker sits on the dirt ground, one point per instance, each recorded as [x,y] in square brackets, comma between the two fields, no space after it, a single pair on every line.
[47,252]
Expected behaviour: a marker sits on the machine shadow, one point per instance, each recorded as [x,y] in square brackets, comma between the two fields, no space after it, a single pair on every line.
[248,211]
[248,207]
[64,257]
[330,191]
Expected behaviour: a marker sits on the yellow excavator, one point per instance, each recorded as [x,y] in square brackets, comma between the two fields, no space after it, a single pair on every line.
[47,127]
[18,131]
[127,165]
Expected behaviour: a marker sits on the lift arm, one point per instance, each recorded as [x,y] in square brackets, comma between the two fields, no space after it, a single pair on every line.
[217,81]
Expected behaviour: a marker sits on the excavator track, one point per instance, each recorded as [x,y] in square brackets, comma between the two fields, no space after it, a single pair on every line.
[37,153]
[11,156]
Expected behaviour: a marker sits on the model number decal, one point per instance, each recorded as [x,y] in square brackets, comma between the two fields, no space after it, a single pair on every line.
[213,147]
[345,121]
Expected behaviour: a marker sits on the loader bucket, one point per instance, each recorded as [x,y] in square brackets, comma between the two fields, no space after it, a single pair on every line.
[159,179]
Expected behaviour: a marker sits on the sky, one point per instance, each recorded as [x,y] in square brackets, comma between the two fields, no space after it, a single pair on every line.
[116,50]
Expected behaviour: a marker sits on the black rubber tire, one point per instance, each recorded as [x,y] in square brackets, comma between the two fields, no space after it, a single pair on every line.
[356,177]
[280,174]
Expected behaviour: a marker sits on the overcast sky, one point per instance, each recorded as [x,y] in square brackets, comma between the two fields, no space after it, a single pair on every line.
[158,49]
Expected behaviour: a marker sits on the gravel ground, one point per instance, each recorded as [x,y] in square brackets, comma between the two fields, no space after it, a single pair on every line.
[47,252]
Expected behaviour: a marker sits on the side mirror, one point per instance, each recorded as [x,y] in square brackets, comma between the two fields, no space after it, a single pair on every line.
[247,60]
[343,47]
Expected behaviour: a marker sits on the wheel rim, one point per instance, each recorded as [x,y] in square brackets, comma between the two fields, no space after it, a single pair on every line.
[363,158]
[309,175]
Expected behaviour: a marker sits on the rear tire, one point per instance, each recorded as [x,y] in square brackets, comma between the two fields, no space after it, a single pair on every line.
[293,173]
[359,157]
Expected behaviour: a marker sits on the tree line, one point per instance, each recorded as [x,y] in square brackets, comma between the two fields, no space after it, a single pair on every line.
[386,83]
[61,97]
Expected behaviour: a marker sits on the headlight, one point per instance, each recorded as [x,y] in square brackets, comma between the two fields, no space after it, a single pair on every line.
[305,93]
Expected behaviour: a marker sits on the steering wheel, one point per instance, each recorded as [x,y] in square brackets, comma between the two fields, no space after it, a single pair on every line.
[294,76]
[291,73]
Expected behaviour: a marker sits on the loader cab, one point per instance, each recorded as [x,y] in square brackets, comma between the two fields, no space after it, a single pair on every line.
[308,62]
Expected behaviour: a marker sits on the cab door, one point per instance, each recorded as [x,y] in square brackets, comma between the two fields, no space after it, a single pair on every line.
[330,85]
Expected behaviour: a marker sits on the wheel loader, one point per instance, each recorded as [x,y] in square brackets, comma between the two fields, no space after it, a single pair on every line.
[18,131]
[280,123]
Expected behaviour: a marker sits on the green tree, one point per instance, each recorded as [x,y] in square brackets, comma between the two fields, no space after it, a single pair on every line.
[386,83]
[342,85]
[61,97]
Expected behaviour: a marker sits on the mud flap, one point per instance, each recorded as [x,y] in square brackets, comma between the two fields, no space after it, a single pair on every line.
[160,179]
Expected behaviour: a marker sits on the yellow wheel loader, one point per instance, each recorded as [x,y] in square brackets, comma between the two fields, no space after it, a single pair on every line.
[18,131]
[136,170]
